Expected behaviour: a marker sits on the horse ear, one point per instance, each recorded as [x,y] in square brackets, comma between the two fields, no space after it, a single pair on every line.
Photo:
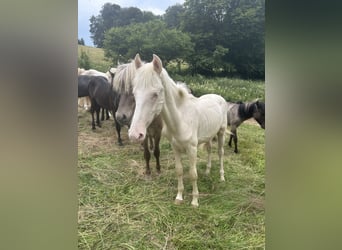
[157,64]
[137,61]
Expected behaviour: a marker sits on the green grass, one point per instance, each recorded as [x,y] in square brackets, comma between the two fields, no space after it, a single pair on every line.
[120,209]
[230,89]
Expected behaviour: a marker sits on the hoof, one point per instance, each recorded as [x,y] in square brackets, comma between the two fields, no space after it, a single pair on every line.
[148,177]
[178,202]
[195,205]
[120,143]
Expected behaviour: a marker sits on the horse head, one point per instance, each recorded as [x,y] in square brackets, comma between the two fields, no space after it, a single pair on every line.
[259,114]
[149,96]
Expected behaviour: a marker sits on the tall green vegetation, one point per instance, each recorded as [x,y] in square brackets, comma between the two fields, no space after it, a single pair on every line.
[112,15]
[83,60]
[214,37]
[122,43]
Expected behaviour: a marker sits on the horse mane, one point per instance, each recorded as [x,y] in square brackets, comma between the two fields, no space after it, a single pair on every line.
[246,109]
[184,86]
[123,77]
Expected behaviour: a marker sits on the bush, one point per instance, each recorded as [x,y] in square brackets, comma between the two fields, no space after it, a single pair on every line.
[84,61]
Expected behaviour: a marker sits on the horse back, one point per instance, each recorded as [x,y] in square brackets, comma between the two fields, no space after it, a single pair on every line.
[100,91]
[212,116]
[83,83]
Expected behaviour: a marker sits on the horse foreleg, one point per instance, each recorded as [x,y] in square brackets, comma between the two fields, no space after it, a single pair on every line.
[107,114]
[209,146]
[179,172]
[156,152]
[220,149]
[147,156]
[118,130]
[192,152]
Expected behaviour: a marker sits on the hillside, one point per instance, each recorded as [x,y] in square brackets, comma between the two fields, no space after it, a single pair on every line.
[96,56]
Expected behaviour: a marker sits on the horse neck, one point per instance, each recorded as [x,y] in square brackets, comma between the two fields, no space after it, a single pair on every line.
[170,112]
[246,111]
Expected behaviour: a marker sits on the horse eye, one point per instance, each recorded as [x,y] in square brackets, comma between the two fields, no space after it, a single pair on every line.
[155,95]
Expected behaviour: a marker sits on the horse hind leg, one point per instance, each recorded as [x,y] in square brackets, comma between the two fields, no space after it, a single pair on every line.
[98,118]
[92,110]
[102,114]
[235,142]
[179,173]
[92,120]
[220,149]
[230,140]
[192,153]
[209,146]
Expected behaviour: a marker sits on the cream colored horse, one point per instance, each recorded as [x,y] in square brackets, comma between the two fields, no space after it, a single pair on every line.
[188,121]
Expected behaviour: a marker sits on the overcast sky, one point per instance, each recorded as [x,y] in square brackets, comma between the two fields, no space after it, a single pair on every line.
[87,8]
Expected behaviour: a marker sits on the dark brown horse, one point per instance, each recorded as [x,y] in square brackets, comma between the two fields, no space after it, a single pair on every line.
[83,91]
[102,95]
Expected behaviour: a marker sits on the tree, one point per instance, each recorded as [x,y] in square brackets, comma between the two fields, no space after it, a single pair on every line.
[112,15]
[228,36]
[173,15]
[84,61]
[81,41]
[122,43]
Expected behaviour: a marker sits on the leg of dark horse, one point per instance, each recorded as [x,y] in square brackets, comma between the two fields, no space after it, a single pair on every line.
[102,114]
[92,118]
[151,142]
[235,142]
[92,110]
[98,117]
[230,140]
[147,156]
[107,114]
[118,130]
[156,151]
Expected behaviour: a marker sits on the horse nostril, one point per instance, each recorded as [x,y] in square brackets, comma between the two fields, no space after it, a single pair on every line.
[124,117]
[141,136]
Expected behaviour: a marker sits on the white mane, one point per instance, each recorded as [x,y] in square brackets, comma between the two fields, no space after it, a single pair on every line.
[123,77]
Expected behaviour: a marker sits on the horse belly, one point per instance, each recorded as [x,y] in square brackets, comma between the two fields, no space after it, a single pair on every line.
[213,117]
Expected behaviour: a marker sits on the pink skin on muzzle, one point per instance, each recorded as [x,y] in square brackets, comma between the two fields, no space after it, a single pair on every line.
[137,133]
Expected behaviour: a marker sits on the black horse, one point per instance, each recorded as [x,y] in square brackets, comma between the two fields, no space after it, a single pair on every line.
[83,83]
[102,95]
[241,111]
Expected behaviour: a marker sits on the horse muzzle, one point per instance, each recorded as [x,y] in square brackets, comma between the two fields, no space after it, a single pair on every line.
[137,135]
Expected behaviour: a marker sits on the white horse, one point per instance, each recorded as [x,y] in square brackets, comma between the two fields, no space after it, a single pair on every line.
[188,121]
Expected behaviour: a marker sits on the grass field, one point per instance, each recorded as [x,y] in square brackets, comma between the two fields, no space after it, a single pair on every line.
[120,209]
